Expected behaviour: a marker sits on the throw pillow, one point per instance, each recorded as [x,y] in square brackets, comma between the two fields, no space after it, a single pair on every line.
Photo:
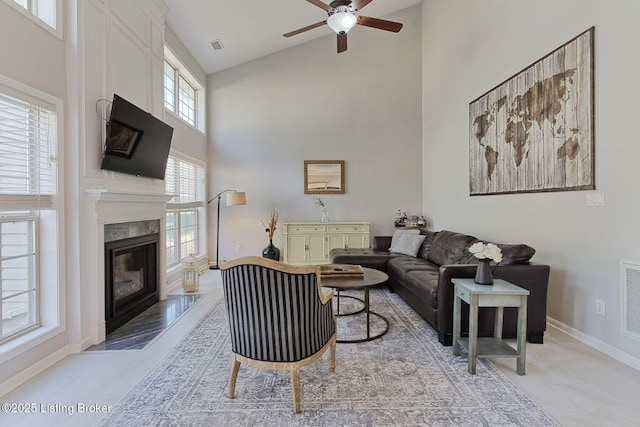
[408,244]
[513,254]
[398,233]
[449,247]
[427,244]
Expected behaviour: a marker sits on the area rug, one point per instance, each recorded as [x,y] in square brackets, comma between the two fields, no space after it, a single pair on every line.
[405,378]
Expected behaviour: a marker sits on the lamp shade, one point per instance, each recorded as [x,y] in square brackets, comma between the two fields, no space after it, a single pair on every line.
[342,22]
[236,198]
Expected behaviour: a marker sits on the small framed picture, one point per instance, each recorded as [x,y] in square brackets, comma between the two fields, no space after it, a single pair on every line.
[324,177]
[122,139]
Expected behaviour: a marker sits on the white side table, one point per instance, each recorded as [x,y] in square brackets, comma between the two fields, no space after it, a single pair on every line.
[499,295]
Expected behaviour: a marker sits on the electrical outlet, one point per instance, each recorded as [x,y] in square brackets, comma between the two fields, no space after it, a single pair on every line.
[595,200]
[600,307]
[238,248]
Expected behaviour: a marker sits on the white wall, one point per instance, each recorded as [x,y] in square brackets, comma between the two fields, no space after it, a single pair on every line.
[310,103]
[470,47]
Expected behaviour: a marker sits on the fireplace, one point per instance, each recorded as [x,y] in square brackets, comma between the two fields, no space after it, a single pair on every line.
[131,273]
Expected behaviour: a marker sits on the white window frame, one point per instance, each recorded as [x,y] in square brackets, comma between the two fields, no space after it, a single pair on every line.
[31,293]
[49,229]
[174,107]
[31,12]
[176,207]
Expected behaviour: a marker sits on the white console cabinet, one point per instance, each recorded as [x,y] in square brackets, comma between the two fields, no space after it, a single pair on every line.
[311,242]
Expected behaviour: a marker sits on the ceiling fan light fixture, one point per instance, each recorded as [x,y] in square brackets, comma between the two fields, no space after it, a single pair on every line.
[342,21]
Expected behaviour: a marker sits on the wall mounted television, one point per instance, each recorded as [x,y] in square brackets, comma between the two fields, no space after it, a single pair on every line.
[137,143]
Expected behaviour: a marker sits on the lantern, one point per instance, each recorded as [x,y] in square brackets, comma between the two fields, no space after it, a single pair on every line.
[190,274]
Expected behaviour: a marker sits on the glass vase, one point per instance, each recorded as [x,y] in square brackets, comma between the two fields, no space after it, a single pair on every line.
[324,217]
[271,252]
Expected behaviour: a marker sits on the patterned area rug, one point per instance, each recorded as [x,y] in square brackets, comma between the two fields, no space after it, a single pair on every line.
[405,378]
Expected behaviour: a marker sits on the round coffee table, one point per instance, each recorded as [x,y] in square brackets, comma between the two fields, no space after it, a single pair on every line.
[371,278]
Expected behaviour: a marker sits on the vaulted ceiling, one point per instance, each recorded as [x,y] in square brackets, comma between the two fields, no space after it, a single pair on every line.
[249,29]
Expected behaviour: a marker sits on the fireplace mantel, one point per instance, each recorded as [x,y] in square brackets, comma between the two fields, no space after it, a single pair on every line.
[105,206]
[104,195]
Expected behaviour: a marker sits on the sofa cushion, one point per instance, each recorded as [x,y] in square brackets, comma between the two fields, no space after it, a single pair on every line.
[401,232]
[449,247]
[423,284]
[513,254]
[399,266]
[365,257]
[408,244]
[427,244]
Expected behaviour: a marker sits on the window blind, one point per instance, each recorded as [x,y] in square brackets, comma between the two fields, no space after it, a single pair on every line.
[27,153]
[184,181]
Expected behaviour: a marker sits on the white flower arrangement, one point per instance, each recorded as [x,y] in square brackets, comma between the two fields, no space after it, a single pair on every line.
[491,251]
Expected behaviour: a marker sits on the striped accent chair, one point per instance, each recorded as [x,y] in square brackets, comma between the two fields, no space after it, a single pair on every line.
[279,317]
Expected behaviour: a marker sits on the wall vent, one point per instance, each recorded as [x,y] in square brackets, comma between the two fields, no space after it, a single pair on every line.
[630,281]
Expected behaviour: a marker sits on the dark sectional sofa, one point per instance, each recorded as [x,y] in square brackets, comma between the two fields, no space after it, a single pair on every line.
[424,280]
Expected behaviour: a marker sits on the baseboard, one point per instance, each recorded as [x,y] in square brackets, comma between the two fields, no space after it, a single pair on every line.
[33,370]
[80,347]
[602,346]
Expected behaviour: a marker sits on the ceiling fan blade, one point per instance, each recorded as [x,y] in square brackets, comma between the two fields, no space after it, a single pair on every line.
[303,29]
[342,42]
[359,4]
[321,5]
[380,24]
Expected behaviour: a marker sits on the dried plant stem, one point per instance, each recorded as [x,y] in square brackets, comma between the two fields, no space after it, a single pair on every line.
[272,221]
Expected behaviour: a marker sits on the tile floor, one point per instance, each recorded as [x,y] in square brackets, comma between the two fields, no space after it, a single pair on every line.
[575,384]
[141,330]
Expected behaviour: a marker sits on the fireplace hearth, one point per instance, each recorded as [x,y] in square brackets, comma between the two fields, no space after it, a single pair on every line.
[131,278]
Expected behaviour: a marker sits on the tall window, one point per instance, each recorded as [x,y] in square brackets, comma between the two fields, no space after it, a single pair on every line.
[185,180]
[187,101]
[183,100]
[169,87]
[28,168]
[184,96]
[44,10]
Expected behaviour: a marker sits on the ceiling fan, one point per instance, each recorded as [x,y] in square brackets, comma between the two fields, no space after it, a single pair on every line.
[342,17]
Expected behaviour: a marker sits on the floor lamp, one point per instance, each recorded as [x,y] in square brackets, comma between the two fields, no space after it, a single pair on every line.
[234,198]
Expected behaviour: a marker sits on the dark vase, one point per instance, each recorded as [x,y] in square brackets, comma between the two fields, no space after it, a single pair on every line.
[483,272]
[271,252]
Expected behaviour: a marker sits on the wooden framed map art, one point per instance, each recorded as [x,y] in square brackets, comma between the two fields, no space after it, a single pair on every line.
[534,132]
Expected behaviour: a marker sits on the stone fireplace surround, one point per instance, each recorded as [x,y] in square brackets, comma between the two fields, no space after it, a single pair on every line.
[131,267]
[113,207]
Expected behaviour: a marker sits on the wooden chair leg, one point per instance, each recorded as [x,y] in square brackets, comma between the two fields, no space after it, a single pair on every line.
[233,375]
[295,387]
[333,355]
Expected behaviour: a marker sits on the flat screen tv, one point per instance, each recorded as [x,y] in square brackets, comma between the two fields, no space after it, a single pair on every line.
[137,143]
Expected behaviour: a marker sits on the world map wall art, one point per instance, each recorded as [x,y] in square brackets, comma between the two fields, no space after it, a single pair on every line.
[534,132]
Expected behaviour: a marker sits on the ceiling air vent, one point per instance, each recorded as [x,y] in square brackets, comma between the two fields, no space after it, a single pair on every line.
[216,44]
